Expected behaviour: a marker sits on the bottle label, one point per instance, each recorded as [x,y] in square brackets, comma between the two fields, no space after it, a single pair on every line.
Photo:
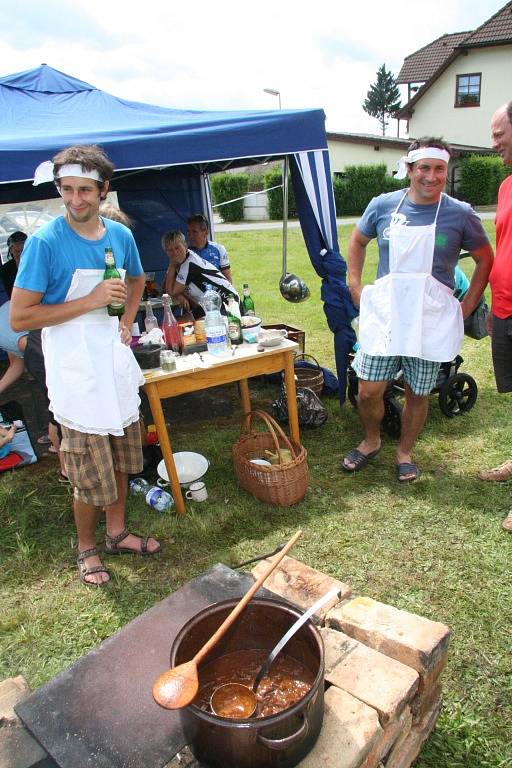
[234,331]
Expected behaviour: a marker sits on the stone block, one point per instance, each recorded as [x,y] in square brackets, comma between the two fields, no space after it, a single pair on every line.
[349,731]
[423,702]
[301,584]
[18,749]
[413,640]
[12,691]
[404,754]
[396,730]
[378,680]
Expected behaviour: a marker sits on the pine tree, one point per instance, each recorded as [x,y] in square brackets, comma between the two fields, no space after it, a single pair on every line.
[383,98]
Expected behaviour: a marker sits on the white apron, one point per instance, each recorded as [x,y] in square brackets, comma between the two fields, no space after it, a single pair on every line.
[408,312]
[92,377]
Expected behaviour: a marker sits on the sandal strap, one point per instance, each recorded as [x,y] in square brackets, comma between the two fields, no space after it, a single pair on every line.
[144,544]
[113,541]
[85,553]
[94,569]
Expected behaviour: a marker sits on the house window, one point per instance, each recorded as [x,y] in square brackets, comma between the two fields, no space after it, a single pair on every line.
[468,90]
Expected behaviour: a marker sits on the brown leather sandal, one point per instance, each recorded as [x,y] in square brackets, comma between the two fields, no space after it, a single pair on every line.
[112,545]
[84,571]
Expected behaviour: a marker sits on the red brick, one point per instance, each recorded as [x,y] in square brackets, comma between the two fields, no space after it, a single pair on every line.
[378,680]
[411,639]
[300,584]
[423,702]
[397,729]
[349,731]
[403,755]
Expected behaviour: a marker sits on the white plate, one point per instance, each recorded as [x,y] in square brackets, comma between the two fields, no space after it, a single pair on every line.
[190,467]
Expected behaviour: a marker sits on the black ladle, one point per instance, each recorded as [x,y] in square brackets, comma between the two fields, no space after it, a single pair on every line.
[235,700]
[292,287]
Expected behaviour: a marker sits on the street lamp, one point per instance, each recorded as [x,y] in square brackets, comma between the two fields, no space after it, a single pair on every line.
[273,92]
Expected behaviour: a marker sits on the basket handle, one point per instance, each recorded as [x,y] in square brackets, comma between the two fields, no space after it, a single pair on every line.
[272,427]
[303,355]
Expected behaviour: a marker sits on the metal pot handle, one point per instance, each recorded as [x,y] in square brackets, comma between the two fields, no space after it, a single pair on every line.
[289,740]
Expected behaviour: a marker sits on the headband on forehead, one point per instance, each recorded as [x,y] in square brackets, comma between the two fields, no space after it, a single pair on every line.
[432,153]
[44,172]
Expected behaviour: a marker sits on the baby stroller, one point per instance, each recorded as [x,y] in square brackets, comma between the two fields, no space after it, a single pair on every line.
[457,392]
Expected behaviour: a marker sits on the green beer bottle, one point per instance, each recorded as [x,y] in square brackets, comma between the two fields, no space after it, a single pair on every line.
[247,302]
[114,310]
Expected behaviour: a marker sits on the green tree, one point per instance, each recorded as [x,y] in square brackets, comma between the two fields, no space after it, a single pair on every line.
[383,98]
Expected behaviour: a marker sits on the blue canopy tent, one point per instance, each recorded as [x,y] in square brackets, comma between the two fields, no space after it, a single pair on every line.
[163,158]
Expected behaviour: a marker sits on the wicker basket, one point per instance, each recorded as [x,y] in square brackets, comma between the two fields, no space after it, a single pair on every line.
[309,377]
[279,484]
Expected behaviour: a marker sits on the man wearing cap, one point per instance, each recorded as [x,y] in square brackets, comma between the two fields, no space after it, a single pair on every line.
[92,376]
[500,321]
[409,318]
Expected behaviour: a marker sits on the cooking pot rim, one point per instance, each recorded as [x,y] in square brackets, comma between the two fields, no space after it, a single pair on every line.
[230,722]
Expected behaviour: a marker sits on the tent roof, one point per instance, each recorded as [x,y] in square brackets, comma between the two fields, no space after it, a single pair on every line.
[44,110]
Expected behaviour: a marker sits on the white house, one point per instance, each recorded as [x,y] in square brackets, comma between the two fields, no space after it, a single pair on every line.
[456,82]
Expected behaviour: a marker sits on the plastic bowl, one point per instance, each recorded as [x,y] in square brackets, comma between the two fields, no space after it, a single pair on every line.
[190,467]
[252,330]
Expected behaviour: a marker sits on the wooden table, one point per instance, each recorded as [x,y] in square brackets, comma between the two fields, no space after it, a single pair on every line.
[245,362]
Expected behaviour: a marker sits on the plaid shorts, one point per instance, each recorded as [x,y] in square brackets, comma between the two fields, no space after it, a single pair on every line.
[419,374]
[91,461]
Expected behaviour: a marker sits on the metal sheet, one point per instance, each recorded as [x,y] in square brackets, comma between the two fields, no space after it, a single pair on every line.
[99,713]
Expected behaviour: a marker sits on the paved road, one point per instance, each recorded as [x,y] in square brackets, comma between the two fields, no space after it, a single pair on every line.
[252,225]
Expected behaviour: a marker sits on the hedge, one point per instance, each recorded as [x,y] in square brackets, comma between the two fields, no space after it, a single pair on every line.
[480,178]
[359,183]
[229,186]
[275,196]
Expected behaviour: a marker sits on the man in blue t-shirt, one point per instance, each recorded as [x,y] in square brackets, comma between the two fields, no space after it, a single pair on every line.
[409,318]
[91,373]
[215,253]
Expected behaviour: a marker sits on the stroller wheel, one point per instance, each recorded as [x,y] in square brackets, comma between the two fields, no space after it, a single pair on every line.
[392,421]
[457,395]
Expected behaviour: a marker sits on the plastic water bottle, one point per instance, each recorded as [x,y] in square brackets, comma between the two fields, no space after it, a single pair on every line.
[214,323]
[158,499]
[138,486]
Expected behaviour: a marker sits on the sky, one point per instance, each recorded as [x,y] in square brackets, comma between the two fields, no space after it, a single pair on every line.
[222,55]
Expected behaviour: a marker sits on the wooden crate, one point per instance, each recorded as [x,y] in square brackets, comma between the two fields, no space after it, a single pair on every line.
[294,334]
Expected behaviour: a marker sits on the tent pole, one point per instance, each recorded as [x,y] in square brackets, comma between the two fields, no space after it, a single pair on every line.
[285,212]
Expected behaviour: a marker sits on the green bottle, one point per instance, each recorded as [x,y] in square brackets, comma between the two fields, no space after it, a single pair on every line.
[234,324]
[247,302]
[114,310]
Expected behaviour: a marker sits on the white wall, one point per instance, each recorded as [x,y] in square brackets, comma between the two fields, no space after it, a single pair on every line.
[343,153]
[435,114]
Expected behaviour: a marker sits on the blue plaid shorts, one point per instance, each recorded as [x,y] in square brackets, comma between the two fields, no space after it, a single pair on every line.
[419,374]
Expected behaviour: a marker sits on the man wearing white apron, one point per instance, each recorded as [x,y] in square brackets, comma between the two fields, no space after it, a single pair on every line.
[91,374]
[409,319]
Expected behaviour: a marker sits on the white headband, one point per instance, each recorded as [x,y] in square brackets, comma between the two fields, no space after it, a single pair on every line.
[422,153]
[44,172]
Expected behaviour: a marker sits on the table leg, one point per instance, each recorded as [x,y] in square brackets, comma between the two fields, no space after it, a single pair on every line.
[291,397]
[244,395]
[165,445]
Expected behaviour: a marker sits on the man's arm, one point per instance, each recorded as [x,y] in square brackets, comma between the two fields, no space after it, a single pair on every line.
[169,280]
[483,258]
[226,271]
[356,256]
[27,312]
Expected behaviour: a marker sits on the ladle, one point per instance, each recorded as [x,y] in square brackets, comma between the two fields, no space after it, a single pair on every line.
[178,686]
[292,287]
[236,700]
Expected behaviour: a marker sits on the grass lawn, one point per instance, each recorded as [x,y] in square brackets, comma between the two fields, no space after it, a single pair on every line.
[434,547]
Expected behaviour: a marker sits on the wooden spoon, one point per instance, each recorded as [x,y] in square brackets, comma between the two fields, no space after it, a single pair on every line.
[178,686]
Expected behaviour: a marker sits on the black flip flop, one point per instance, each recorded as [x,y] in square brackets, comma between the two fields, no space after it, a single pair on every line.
[407,468]
[358,459]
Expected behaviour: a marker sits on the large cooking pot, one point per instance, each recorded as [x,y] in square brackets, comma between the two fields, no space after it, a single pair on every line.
[278,740]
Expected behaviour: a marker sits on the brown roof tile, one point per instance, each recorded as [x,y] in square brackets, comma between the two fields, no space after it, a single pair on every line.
[423,64]
[496,30]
